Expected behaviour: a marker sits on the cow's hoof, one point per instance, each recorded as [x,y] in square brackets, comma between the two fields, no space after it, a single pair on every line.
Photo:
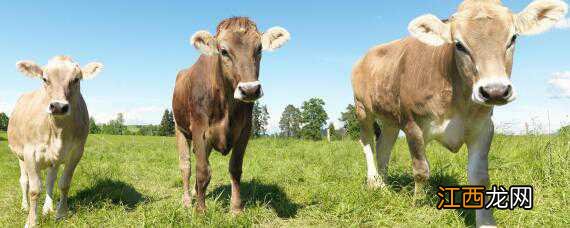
[47,209]
[187,201]
[61,212]
[375,182]
[237,210]
[200,209]
[487,222]
[24,207]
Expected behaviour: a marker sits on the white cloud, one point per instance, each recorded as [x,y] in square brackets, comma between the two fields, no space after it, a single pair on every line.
[138,115]
[522,119]
[5,108]
[563,24]
[273,122]
[560,81]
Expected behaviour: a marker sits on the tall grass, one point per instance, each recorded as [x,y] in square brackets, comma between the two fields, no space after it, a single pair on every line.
[135,181]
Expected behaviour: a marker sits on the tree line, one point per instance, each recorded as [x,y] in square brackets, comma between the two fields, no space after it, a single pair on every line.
[118,127]
[307,122]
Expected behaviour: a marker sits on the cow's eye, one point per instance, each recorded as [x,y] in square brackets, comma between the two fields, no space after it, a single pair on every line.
[225,53]
[45,80]
[459,46]
[513,41]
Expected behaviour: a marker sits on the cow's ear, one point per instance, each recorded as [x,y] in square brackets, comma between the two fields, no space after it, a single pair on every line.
[430,30]
[91,70]
[29,68]
[539,16]
[204,42]
[274,38]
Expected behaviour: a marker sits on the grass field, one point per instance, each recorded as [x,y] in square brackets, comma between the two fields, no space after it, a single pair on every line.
[135,181]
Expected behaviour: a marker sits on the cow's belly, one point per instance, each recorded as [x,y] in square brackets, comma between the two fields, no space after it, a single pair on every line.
[449,132]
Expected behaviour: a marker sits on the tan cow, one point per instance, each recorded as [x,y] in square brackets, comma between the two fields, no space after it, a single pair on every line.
[442,83]
[47,128]
[213,100]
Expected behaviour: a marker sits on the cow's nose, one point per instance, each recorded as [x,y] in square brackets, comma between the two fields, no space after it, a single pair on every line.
[251,91]
[58,108]
[496,92]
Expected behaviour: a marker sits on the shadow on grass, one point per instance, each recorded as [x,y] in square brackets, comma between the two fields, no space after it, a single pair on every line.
[2,139]
[109,191]
[254,193]
[405,181]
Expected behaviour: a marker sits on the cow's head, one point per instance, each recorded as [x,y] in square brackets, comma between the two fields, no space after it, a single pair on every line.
[61,78]
[483,34]
[238,45]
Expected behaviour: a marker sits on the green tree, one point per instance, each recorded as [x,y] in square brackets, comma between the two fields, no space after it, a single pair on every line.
[350,122]
[290,123]
[167,124]
[314,117]
[565,131]
[115,127]
[149,130]
[93,127]
[259,120]
[334,135]
[4,122]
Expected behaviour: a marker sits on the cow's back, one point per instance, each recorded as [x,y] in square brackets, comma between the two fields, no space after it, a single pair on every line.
[402,77]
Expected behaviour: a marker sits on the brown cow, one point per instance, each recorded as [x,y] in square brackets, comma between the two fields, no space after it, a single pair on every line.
[213,100]
[48,128]
[442,83]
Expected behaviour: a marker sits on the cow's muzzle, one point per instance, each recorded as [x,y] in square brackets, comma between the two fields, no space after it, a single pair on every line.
[493,91]
[58,108]
[248,91]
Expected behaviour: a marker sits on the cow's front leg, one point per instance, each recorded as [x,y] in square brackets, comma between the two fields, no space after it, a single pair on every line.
[34,188]
[183,146]
[65,181]
[24,185]
[203,171]
[366,122]
[420,165]
[235,169]
[50,181]
[478,169]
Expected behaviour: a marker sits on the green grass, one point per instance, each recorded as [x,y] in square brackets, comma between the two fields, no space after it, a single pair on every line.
[135,181]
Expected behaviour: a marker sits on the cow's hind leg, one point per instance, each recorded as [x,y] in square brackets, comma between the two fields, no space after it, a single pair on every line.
[65,181]
[50,181]
[367,140]
[384,144]
[24,185]
[420,165]
[184,163]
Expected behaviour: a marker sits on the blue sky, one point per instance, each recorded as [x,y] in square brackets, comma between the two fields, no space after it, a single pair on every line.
[143,45]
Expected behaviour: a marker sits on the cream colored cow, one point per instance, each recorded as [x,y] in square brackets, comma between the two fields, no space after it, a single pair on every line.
[48,128]
[442,84]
